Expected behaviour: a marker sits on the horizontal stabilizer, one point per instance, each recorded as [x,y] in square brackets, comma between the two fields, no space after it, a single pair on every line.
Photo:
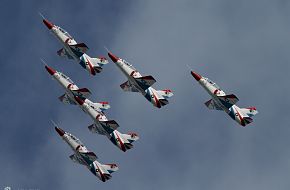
[100,60]
[110,125]
[110,167]
[63,53]
[165,93]
[163,102]
[128,87]
[99,106]
[131,137]
[82,92]
[76,159]
[145,82]
[249,111]
[211,104]
[66,99]
[228,100]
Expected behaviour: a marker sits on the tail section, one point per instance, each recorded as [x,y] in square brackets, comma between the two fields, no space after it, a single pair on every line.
[167,93]
[251,111]
[129,139]
[163,95]
[124,141]
[93,65]
[242,115]
[110,167]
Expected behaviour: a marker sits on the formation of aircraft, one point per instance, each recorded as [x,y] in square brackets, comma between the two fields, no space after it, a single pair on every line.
[142,84]
[226,102]
[85,157]
[77,51]
[135,83]
[103,126]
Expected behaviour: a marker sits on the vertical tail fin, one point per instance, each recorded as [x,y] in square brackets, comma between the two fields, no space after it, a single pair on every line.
[94,65]
[124,141]
[129,139]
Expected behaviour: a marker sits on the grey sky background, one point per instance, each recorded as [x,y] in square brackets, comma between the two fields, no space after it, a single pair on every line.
[241,45]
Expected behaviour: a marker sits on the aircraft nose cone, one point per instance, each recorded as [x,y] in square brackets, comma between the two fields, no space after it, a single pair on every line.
[113,57]
[195,75]
[50,70]
[59,131]
[79,100]
[48,24]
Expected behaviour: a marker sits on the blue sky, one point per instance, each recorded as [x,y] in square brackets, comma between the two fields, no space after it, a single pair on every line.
[241,45]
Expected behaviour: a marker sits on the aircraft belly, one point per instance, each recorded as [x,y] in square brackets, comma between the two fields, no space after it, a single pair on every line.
[67,48]
[217,101]
[133,82]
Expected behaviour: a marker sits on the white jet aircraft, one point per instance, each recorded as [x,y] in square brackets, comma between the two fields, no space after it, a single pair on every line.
[87,158]
[221,101]
[102,126]
[142,84]
[77,51]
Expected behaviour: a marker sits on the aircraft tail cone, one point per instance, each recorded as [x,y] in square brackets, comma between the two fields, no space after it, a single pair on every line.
[196,75]
[50,70]
[48,24]
[113,57]
[59,131]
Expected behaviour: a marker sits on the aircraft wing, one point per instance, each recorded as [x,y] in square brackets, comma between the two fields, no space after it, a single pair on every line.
[82,92]
[211,104]
[63,53]
[228,100]
[79,49]
[145,82]
[76,159]
[110,125]
[94,129]
[89,156]
[128,87]
[66,99]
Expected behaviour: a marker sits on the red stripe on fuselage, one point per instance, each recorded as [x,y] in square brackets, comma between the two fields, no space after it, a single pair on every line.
[101,174]
[91,68]
[121,143]
[157,103]
[241,118]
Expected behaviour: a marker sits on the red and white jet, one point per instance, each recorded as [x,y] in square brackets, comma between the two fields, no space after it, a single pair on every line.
[77,51]
[102,126]
[221,101]
[142,84]
[85,157]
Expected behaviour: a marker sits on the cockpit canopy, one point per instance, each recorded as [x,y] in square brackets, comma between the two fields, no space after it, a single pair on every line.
[76,139]
[211,82]
[128,64]
[66,77]
[65,32]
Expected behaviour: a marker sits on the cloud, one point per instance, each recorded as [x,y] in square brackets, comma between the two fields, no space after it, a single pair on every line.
[240,45]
